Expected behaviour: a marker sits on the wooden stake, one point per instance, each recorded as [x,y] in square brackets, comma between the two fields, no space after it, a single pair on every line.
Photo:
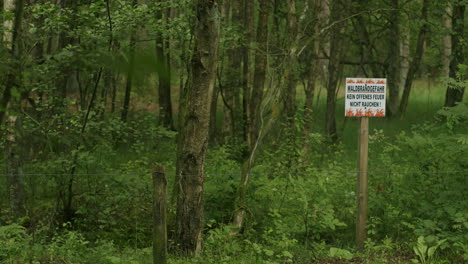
[159,217]
[362,183]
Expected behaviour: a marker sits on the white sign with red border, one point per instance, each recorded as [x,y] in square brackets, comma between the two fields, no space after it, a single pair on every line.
[365,97]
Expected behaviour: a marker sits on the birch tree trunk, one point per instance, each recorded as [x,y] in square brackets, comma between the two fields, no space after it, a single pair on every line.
[447,41]
[455,93]
[15,187]
[193,140]
[11,28]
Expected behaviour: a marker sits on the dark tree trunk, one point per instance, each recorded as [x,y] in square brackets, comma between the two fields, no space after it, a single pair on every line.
[249,16]
[15,187]
[334,68]
[231,87]
[416,62]
[193,137]
[455,93]
[260,70]
[129,82]
[394,71]
[164,73]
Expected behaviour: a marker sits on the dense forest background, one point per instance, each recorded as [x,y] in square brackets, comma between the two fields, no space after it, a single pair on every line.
[239,106]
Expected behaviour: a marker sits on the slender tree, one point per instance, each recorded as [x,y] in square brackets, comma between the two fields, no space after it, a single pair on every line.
[164,75]
[394,70]
[260,69]
[193,137]
[15,187]
[416,61]
[455,93]
[334,66]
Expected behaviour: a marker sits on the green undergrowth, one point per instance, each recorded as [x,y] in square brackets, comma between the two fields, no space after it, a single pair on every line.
[300,207]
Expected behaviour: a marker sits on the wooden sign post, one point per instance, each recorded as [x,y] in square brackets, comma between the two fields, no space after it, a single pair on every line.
[364,98]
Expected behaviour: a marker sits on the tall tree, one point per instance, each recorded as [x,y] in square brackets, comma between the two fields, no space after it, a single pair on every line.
[13,82]
[394,70]
[249,27]
[193,137]
[447,40]
[416,61]
[230,88]
[334,65]
[164,75]
[455,93]
[11,32]
[130,71]
[260,70]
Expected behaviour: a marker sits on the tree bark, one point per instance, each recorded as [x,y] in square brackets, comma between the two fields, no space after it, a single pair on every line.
[394,71]
[260,70]
[11,29]
[416,62]
[447,41]
[290,71]
[159,216]
[193,140]
[15,187]
[230,89]
[334,68]
[312,75]
[164,74]
[249,17]
[455,93]
[129,82]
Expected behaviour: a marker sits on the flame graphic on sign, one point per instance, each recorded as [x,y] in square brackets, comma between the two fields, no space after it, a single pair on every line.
[349,112]
[369,112]
[380,113]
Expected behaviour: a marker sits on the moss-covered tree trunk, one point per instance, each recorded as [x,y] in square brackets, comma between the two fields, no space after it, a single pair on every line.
[193,137]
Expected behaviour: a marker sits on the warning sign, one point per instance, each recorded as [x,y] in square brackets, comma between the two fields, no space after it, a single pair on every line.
[365,97]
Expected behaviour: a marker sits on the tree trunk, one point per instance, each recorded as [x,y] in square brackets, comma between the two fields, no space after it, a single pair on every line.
[212,135]
[159,216]
[447,41]
[394,71]
[129,82]
[334,68]
[290,71]
[231,87]
[416,62]
[193,138]
[260,70]
[404,44]
[312,75]
[249,16]
[11,30]
[455,93]
[164,74]
[15,187]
